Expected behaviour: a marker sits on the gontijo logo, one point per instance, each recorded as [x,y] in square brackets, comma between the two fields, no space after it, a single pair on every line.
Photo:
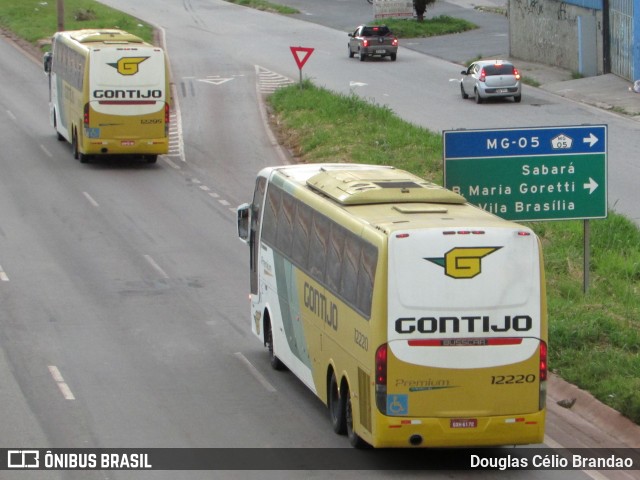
[128,65]
[463,262]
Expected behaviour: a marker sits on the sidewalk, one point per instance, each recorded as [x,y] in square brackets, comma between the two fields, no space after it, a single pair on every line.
[608,92]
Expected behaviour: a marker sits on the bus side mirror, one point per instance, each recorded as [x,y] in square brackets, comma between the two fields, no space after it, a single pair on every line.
[47,62]
[244,218]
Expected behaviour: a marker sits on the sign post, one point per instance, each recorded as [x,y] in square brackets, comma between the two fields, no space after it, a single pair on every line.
[531,174]
[301,60]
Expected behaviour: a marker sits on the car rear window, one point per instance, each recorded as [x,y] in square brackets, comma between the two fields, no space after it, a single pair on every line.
[498,69]
[373,31]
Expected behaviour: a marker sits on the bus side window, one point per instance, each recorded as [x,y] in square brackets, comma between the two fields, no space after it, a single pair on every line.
[349,273]
[301,231]
[318,246]
[334,257]
[285,225]
[270,221]
[366,274]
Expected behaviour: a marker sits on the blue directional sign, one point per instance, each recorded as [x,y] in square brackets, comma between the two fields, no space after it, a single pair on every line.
[549,173]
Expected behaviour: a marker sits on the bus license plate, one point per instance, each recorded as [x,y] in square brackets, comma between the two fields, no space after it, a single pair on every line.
[127,143]
[464,423]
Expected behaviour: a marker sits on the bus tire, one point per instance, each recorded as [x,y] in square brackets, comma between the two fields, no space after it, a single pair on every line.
[275,362]
[151,158]
[76,150]
[336,406]
[354,439]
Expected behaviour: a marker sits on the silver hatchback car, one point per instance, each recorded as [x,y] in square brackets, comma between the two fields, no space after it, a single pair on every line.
[491,78]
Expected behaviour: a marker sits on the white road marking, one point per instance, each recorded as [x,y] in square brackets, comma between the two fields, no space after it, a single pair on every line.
[155,266]
[254,371]
[64,388]
[91,200]
[47,152]
[3,275]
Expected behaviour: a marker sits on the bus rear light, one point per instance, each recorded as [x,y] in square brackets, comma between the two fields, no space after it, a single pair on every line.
[85,117]
[543,361]
[402,235]
[464,342]
[523,233]
[463,232]
[381,378]
[381,365]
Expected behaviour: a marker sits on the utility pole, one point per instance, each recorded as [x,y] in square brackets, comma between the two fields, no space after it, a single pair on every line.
[60,15]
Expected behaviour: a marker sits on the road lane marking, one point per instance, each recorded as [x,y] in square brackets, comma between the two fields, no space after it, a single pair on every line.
[47,152]
[62,386]
[254,371]
[91,200]
[3,275]
[155,266]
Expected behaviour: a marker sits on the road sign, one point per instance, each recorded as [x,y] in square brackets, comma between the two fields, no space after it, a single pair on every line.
[301,60]
[548,173]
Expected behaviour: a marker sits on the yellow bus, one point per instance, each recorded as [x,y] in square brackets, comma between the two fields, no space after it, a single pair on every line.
[108,94]
[417,318]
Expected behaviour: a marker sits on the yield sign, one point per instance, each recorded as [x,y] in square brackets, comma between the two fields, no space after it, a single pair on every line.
[301,55]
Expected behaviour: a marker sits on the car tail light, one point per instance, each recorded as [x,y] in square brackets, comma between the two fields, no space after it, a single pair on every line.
[516,73]
[365,43]
[395,42]
[483,75]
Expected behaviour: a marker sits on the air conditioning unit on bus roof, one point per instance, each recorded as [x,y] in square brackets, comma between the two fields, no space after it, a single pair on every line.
[362,186]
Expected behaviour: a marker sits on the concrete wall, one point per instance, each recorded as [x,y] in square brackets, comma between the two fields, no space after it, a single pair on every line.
[556,33]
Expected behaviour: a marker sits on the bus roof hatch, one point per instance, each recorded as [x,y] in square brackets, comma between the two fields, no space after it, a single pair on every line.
[390,185]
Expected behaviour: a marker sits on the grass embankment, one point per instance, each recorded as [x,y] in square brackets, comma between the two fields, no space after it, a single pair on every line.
[594,338]
[37,21]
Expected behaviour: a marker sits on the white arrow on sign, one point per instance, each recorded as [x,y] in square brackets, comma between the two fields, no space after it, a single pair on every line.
[592,185]
[591,140]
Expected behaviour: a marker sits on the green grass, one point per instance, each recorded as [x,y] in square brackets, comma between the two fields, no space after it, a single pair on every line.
[265,6]
[411,28]
[37,21]
[594,339]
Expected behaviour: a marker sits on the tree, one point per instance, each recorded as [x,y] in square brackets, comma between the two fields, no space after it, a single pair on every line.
[421,7]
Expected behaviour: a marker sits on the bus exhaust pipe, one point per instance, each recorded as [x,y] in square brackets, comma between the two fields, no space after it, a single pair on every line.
[415,440]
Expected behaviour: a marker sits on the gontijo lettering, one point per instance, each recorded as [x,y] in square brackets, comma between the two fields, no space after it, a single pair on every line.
[466,324]
[316,302]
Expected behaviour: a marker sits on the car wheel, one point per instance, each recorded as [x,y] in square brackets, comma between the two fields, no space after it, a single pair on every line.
[362,56]
[517,98]
[393,57]
[462,92]
[478,97]
[350,52]
[336,406]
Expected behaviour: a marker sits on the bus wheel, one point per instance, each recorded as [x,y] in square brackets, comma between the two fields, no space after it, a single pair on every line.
[76,151]
[354,438]
[275,362]
[336,406]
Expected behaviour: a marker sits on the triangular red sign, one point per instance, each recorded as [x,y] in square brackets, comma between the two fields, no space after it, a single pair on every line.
[296,54]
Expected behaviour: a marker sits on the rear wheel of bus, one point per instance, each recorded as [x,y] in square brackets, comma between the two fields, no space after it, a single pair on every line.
[336,405]
[354,438]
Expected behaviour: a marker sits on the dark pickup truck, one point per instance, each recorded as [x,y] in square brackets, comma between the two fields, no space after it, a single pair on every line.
[368,41]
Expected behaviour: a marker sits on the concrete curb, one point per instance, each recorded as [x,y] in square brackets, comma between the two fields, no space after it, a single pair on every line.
[593,411]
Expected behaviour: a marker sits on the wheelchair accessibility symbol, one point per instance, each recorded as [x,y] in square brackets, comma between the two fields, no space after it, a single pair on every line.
[397,404]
